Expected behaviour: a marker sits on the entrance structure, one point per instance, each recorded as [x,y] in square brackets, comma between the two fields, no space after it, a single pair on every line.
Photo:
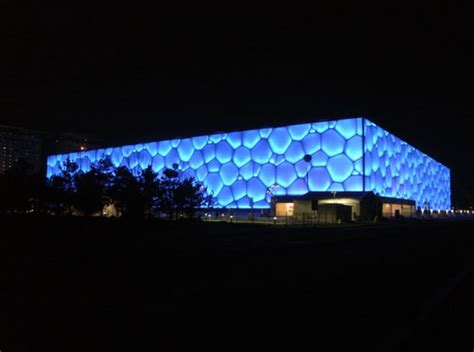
[363,205]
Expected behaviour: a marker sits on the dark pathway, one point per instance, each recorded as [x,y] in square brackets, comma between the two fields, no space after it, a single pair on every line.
[102,285]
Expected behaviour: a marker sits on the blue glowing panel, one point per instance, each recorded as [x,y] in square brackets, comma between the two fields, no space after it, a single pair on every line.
[223,152]
[336,187]
[279,140]
[242,156]
[196,160]
[73,156]
[261,153]
[172,158]
[202,173]
[347,128]
[393,168]
[340,168]
[312,143]
[92,155]
[239,168]
[225,196]
[294,152]
[158,163]
[286,174]
[319,159]
[133,160]
[321,127]
[164,147]
[302,167]
[117,157]
[127,150]
[332,142]
[299,187]
[209,152]
[353,184]
[213,183]
[265,132]
[185,149]
[268,174]
[152,148]
[354,148]
[189,173]
[229,173]
[216,138]
[175,143]
[256,190]
[244,203]
[84,164]
[250,138]
[214,165]
[239,190]
[246,171]
[199,142]
[319,179]
[144,159]
[298,132]
[234,139]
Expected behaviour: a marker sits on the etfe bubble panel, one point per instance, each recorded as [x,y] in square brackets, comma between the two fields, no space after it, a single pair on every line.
[394,168]
[244,169]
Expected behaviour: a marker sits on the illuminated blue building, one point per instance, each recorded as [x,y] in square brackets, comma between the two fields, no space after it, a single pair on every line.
[245,169]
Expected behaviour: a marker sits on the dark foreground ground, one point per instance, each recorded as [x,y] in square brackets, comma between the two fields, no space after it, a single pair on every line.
[100,285]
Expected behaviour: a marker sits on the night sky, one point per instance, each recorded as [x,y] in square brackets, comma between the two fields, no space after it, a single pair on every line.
[135,74]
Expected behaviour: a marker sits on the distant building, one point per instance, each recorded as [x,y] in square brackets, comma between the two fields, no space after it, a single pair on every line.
[20,144]
[245,169]
[34,146]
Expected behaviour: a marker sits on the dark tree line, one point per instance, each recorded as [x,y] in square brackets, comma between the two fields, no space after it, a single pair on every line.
[74,191]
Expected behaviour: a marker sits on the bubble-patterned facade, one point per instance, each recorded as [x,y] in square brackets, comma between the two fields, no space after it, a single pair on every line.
[244,169]
[394,168]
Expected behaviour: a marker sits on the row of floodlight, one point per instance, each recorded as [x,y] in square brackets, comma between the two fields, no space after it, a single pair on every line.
[462,211]
[448,212]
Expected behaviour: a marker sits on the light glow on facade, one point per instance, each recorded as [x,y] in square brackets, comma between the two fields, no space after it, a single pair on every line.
[240,168]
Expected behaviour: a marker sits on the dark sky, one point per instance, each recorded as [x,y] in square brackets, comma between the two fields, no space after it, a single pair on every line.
[133,73]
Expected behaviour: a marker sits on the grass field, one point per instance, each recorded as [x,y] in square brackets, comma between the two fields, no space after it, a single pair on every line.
[74,284]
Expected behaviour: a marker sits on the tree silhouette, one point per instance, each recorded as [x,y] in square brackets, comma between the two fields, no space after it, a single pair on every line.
[88,192]
[68,171]
[91,190]
[150,190]
[188,197]
[57,195]
[125,193]
[180,198]
[17,189]
[167,185]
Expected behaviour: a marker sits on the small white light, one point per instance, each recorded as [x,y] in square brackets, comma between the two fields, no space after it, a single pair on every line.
[275,218]
[231,216]
[209,215]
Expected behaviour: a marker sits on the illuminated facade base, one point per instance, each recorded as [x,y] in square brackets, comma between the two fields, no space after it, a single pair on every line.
[245,169]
